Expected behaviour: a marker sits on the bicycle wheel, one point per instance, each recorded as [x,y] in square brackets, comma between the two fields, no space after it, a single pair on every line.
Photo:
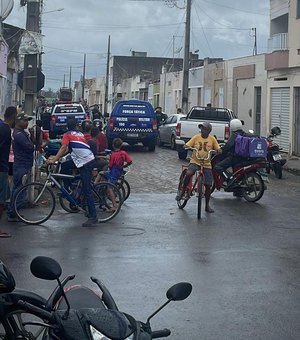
[14,326]
[183,200]
[200,195]
[126,187]
[105,193]
[122,190]
[34,203]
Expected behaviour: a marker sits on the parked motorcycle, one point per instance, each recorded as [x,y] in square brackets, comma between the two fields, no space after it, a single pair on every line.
[275,162]
[75,312]
[247,179]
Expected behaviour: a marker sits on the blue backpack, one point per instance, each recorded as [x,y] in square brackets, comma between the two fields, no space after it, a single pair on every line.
[252,147]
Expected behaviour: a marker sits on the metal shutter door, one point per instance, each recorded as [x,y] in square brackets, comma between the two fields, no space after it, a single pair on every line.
[280,115]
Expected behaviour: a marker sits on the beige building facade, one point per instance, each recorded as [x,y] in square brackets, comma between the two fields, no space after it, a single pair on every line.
[283,73]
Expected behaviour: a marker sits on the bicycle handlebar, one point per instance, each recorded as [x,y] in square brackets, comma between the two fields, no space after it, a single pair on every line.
[210,152]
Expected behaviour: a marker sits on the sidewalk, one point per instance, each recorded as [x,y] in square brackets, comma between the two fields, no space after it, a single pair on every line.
[293,165]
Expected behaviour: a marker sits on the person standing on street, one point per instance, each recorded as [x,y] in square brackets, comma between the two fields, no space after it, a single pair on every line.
[84,159]
[5,144]
[203,142]
[101,141]
[23,149]
[159,115]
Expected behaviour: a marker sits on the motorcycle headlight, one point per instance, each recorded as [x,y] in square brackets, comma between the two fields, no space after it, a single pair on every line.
[96,335]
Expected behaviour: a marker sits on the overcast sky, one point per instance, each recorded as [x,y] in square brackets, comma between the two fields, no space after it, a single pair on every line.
[219,29]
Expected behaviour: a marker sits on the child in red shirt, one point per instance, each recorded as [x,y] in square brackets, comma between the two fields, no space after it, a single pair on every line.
[118,160]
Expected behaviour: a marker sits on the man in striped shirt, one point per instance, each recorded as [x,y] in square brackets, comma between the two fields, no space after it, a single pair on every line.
[73,141]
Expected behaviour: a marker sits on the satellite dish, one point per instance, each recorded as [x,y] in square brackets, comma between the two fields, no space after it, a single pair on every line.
[6,7]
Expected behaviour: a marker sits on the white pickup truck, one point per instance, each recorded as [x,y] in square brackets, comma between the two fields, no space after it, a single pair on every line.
[188,127]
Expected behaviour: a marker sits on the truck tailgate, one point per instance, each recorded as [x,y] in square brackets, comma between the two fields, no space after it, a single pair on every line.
[190,128]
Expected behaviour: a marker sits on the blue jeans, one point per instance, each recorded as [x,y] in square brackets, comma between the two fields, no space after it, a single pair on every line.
[19,172]
[86,176]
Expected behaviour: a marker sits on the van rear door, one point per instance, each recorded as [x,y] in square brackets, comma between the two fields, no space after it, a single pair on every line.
[132,119]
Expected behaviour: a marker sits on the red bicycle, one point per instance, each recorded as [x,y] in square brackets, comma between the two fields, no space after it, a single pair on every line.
[195,185]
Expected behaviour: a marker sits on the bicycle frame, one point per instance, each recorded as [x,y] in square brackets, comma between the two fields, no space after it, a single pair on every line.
[193,185]
[53,178]
[198,183]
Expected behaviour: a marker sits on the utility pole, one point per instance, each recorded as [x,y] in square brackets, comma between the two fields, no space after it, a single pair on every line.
[107,77]
[83,77]
[255,40]
[30,61]
[70,77]
[64,84]
[186,59]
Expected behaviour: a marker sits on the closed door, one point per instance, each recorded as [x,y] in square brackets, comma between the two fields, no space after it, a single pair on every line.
[280,114]
[297,125]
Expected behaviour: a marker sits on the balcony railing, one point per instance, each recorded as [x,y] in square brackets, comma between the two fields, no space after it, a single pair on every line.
[278,42]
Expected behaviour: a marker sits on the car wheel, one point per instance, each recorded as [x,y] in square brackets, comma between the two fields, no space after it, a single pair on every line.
[173,144]
[151,147]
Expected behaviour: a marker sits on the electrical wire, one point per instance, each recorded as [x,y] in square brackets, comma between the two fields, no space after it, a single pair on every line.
[211,52]
[103,55]
[169,46]
[234,8]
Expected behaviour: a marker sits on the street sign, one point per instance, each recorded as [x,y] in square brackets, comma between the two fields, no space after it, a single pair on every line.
[40,79]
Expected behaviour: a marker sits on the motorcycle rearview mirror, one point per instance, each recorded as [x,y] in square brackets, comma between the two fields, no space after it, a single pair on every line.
[45,268]
[180,291]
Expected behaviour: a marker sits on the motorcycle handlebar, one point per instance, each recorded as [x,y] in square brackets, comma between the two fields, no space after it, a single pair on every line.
[162,333]
[39,312]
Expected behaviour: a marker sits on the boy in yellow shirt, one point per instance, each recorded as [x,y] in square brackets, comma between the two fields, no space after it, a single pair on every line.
[203,142]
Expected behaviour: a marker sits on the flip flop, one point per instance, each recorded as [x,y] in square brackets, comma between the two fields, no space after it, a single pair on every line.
[4,235]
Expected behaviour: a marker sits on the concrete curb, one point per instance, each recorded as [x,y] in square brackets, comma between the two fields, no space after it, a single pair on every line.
[293,165]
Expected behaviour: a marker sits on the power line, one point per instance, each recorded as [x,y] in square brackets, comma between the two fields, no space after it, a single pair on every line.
[204,32]
[234,8]
[71,51]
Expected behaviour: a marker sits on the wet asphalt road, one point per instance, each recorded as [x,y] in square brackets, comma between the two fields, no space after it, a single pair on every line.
[243,261]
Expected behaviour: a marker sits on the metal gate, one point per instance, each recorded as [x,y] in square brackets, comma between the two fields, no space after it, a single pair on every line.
[297,125]
[280,114]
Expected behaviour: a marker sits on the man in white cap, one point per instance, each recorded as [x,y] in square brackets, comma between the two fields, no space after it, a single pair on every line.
[203,142]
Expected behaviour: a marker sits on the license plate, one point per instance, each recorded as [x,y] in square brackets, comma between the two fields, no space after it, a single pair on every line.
[277,157]
[134,135]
